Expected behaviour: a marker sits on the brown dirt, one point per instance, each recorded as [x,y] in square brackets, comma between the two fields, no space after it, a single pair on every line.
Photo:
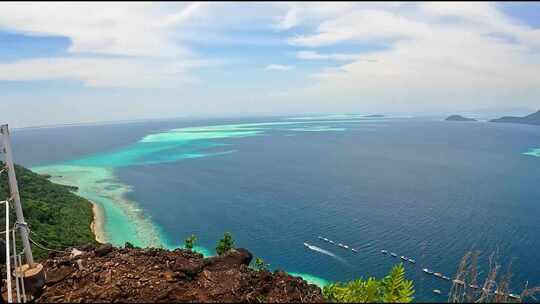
[108,274]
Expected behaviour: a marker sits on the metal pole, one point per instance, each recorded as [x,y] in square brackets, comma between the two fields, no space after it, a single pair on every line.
[14,188]
[17,265]
[8,256]
[22,281]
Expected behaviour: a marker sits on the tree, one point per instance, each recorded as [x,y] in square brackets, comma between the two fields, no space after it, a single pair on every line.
[57,217]
[189,243]
[225,244]
[260,264]
[394,288]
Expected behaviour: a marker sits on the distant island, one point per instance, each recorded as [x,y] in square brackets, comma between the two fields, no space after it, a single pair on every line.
[531,119]
[458,118]
[374,116]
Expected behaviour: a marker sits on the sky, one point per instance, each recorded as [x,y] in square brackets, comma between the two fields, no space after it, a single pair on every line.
[91,62]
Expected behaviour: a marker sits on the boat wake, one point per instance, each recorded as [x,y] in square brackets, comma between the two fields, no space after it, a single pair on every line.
[326,252]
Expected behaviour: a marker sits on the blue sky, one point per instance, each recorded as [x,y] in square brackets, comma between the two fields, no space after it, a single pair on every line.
[86,62]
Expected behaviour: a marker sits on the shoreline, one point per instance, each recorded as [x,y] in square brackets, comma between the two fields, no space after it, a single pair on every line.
[116,219]
[90,181]
[97,226]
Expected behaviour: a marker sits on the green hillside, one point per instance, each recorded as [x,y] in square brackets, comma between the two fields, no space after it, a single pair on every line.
[57,217]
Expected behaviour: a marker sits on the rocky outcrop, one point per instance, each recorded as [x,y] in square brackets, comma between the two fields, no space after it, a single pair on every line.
[103,250]
[108,274]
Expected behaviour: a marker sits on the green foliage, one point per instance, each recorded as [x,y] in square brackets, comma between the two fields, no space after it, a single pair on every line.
[260,264]
[394,288]
[225,244]
[129,245]
[57,217]
[189,243]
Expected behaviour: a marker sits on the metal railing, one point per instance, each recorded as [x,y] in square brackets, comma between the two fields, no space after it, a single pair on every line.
[13,259]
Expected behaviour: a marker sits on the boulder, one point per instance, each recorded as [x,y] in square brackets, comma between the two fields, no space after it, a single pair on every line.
[103,250]
[230,259]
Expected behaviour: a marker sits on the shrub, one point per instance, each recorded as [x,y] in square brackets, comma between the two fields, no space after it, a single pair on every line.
[189,243]
[394,288]
[260,264]
[225,244]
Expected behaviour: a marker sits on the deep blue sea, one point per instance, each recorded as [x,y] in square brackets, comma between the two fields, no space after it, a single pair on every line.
[424,188]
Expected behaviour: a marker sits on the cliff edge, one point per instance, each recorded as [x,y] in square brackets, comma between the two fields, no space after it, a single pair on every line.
[108,274]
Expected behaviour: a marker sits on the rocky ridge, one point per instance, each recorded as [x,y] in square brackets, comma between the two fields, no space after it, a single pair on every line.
[109,274]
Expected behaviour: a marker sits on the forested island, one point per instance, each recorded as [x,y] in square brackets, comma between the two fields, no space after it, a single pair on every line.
[459,118]
[531,119]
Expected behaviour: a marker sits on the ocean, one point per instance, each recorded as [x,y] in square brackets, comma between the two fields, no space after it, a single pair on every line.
[420,187]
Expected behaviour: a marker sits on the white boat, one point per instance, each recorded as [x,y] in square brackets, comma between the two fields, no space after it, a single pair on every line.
[446,278]
[345,246]
[331,242]
[341,245]
[307,245]
[320,237]
[437,274]
[412,261]
[393,254]
[474,286]
[384,251]
[427,271]
[436,291]
[459,282]
[403,258]
[325,239]
[354,250]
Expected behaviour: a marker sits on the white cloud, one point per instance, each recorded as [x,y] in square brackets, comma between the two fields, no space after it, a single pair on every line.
[278,67]
[189,12]
[434,55]
[111,45]
[104,72]
[361,25]
[298,13]
[289,20]
[430,61]
[114,28]
[128,44]
[312,55]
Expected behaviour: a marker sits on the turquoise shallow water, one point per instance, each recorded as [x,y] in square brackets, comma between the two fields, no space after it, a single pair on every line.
[94,175]
[124,220]
[426,189]
[533,152]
